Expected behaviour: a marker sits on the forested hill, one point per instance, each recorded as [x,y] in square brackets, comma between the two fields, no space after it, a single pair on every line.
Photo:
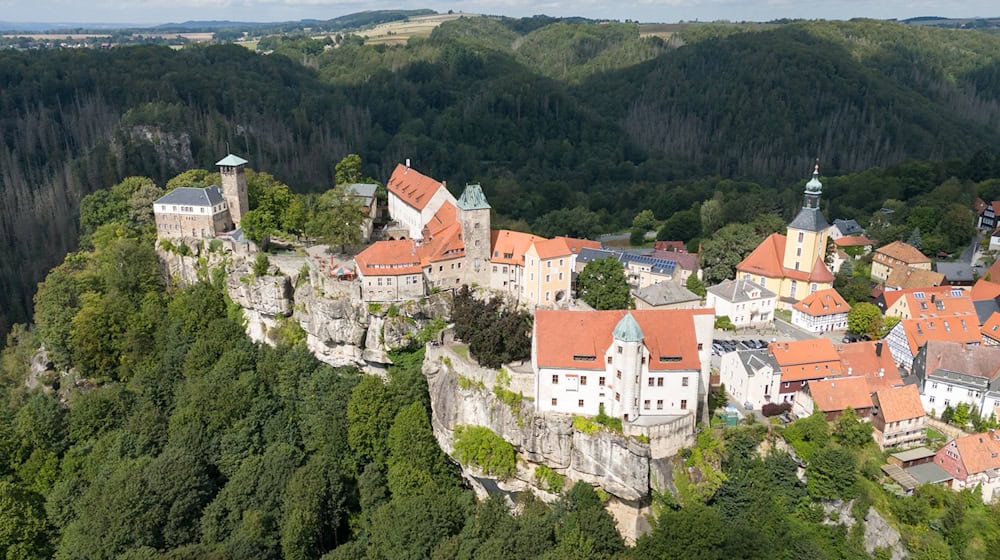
[547,114]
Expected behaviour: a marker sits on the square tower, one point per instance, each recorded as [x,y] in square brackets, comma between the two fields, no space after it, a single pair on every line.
[474,216]
[234,186]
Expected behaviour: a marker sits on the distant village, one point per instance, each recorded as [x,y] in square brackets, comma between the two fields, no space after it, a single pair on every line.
[775,337]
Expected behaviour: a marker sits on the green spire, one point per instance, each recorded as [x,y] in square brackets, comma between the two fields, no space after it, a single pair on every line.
[628,329]
[473,198]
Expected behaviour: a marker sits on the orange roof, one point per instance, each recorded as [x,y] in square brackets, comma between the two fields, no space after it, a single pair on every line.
[513,243]
[443,245]
[900,403]
[903,252]
[767,260]
[822,303]
[576,244]
[952,328]
[864,359]
[978,452]
[985,289]
[551,248]
[892,296]
[813,358]
[446,216]
[412,187]
[904,277]
[834,395]
[562,335]
[991,328]
[993,272]
[939,303]
[389,258]
[853,241]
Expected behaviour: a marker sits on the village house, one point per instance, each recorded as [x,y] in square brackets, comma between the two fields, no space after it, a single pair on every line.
[630,364]
[907,337]
[988,213]
[751,377]
[949,373]
[908,277]
[833,396]
[822,311]
[792,265]
[745,303]
[802,361]
[924,302]
[854,245]
[897,255]
[666,295]
[208,212]
[959,273]
[872,360]
[973,460]
[414,199]
[845,228]
[641,270]
[898,417]
[687,263]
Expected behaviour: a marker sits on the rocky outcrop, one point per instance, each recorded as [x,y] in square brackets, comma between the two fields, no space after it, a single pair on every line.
[172,149]
[880,535]
[270,296]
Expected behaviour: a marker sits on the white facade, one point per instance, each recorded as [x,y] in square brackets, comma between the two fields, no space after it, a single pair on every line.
[189,210]
[822,323]
[938,393]
[414,220]
[757,310]
[750,376]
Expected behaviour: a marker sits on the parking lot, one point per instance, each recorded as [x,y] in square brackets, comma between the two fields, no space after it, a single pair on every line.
[724,346]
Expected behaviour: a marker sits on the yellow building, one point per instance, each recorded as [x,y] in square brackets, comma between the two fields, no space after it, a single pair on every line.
[792,265]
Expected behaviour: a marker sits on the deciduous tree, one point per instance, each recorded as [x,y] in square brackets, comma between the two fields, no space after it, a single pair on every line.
[602,285]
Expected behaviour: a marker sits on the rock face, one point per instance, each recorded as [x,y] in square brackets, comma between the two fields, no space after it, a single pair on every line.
[618,464]
[879,534]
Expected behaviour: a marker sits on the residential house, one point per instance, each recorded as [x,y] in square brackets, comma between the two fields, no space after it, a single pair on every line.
[744,302]
[793,265]
[802,361]
[925,302]
[949,373]
[687,263]
[633,365]
[548,273]
[666,295]
[991,330]
[871,360]
[208,212]
[507,260]
[973,461]
[641,270]
[751,376]
[854,245]
[677,246]
[958,325]
[822,311]
[959,273]
[908,277]
[898,416]
[845,228]
[414,199]
[995,240]
[897,255]
[833,396]
[988,215]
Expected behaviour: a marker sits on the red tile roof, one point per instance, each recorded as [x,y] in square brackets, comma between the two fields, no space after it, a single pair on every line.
[813,358]
[900,403]
[834,395]
[389,258]
[892,296]
[822,303]
[560,335]
[938,303]
[985,289]
[576,244]
[551,248]
[991,328]
[670,246]
[978,452]
[853,241]
[903,252]
[863,359]
[962,328]
[767,260]
[513,243]
[993,272]
[413,187]
[906,277]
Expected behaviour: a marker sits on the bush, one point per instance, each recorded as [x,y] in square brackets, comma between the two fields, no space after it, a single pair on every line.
[723,323]
[549,479]
[585,425]
[480,446]
[774,409]
[609,421]
[261,265]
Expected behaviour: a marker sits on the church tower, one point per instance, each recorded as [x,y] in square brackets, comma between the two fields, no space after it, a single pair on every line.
[234,186]
[807,233]
[474,216]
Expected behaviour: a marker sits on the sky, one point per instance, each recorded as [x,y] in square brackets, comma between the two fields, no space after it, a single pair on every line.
[163,11]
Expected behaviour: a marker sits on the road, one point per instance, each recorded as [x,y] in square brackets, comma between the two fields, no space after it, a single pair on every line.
[969,253]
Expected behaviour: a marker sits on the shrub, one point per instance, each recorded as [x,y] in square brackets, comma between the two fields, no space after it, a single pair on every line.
[774,409]
[508,397]
[261,264]
[480,446]
[549,479]
[723,323]
[609,421]
[585,425]
[374,307]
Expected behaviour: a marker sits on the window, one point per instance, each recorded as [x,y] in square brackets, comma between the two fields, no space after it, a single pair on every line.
[801,236]
[794,284]
[947,402]
[650,381]
[619,349]
[813,288]
[684,404]
[659,382]
[548,296]
[555,401]
[609,359]
[388,281]
[548,264]
[645,404]
[786,384]
[600,380]
[684,381]
[700,345]
[583,380]
[659,404]
[560,275]
[798,252]
[579,403]
[618,396]
[441,268]
[618,374]
[555,379]
[948,389]
[644,359]
[560,262]
[548,277]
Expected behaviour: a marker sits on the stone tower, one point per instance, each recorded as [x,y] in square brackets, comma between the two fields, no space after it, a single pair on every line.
[474,216]
[808,231]
[234,186]
[626,358]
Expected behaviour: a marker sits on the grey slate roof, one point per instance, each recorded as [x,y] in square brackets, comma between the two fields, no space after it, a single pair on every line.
[958,271]
[666,293]
[364,191]
[587,255]
[754,360]
[809,219]
[736,291]
[848,227]
[231,161]
[929,473]
[985,308]
[191,196]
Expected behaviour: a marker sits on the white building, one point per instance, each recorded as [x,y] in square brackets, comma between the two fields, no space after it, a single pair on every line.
[744,302]
[822,311]
[631,364]
[751,376]
[415,198]
[950,373]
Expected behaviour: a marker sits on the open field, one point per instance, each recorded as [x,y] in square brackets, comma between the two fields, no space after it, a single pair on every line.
[398,32]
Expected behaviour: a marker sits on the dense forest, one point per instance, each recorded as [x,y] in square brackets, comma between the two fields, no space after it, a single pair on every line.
[177,437]
[571,126]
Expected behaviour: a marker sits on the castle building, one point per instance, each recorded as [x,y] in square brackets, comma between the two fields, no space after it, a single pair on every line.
[792,265]
[206,212]
[630,364]
[415,198]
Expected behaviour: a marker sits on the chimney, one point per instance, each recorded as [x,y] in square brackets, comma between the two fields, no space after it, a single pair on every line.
[407,163]
[878,348]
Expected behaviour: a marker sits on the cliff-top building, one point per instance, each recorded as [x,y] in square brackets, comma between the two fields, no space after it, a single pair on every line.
[205,212]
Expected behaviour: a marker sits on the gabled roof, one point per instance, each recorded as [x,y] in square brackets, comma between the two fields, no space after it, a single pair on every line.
[670,246]
[588,254]
[576,245]
[736,291]
[847,227]
[954,328]
[823,303]
[979,205]
[893,296]
[514,243]
[231,161]
[551,248]
[978,452]
[364,191]
[903,252]
[389,258]
[899,403]
[853,241]
[974,361]
[666,293]
[412,187]
[938,303]
[668,334]
[958,271]
[687,261]
[812,358]
[192,196]
[991,328]
[766,260]
[904,277]
[835,395]
[872,360]
[985,289]
[993,272]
